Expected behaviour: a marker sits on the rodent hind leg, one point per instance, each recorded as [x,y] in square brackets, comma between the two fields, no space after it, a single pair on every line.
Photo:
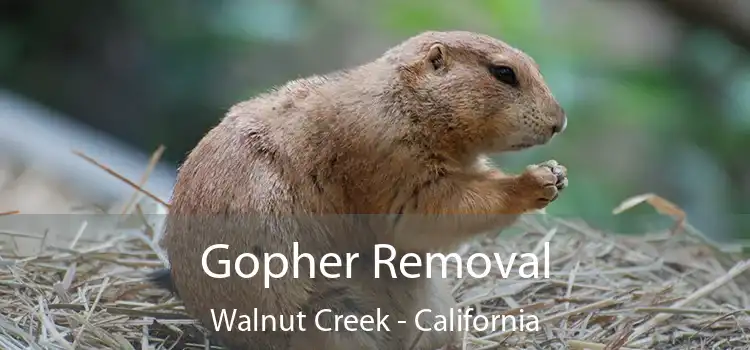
[433,304]
[328,312]
[342,340]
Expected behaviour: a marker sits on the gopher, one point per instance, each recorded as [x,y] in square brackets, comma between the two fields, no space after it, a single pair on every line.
[394,151]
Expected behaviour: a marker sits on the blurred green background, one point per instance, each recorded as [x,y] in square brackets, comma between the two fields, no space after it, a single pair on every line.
[657,92]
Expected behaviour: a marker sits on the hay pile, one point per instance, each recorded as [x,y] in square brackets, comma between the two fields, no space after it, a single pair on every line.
[662,291]
[670,290]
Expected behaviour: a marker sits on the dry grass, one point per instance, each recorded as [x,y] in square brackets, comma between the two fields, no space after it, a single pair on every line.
[670,290]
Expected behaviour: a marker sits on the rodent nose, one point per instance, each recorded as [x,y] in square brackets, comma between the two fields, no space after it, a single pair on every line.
[560,127]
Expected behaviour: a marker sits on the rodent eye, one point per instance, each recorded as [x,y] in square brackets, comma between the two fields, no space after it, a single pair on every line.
[504,74]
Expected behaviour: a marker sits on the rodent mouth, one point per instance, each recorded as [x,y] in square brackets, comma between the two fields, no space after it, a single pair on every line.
[521,146]
[529,143]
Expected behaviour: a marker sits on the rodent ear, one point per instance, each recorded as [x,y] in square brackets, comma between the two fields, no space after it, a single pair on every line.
[437,57]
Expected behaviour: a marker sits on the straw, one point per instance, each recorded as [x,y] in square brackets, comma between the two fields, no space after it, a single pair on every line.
[662,290]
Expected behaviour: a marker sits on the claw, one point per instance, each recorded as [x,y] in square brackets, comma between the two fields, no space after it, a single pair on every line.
[559,171]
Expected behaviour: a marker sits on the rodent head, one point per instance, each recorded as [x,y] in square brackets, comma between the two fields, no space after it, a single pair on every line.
[490,94]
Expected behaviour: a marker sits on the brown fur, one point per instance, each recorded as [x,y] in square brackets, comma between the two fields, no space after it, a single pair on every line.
[404,134]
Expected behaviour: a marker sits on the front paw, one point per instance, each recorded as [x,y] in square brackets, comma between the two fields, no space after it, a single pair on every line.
[542,183]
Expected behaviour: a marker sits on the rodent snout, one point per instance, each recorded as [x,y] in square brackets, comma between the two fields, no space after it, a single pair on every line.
[562,120]
[560,126]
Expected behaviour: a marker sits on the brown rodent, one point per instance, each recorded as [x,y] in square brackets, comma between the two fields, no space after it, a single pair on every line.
[321,160]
